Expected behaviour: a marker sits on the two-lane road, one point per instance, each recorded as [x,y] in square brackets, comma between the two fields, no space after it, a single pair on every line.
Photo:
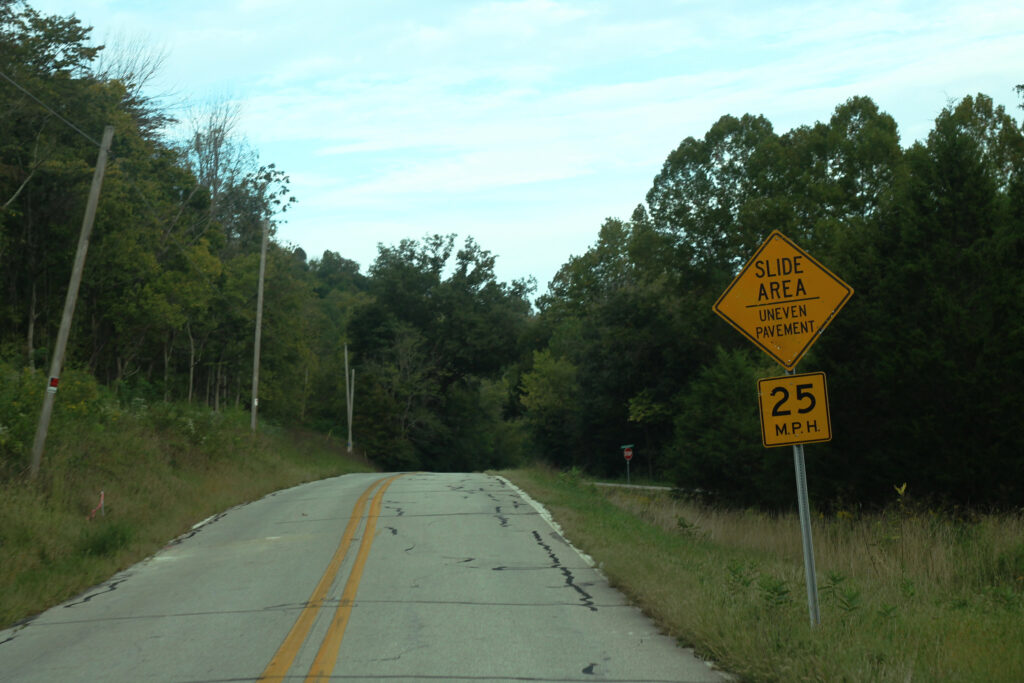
[365,577]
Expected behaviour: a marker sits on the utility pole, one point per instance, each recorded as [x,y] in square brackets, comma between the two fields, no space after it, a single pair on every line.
[57,361]
[350,395]
[259,326]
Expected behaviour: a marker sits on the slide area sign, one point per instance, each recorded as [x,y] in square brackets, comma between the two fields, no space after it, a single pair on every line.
[782,299]
[794,409]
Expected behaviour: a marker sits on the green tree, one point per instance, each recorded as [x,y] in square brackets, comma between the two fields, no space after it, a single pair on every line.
[934,338]
[717,446]
[428,342]
[550,394]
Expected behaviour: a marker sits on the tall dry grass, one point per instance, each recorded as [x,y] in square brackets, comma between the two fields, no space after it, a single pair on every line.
[905,542]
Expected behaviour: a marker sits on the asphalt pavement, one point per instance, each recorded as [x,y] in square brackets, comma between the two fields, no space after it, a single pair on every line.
[366,577]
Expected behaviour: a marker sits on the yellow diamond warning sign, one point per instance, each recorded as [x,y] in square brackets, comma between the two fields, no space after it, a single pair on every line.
[794,409]
[782,299]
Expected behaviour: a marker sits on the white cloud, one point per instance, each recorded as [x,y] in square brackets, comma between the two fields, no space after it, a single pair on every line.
[399,118]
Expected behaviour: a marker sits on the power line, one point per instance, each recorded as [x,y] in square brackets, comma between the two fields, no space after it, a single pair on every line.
[41,104]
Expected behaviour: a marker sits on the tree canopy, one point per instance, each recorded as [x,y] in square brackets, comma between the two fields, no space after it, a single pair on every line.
[457,370]
[924,364]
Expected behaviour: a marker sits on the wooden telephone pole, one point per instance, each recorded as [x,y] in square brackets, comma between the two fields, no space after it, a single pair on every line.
[350,396]
[57,361]
[259,328]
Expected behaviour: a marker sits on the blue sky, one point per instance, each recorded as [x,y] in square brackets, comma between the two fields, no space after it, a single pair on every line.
[526,123]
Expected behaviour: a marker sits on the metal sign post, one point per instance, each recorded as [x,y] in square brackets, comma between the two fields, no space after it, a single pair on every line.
[781,300]
[805,530]
[627,453]
[794,411]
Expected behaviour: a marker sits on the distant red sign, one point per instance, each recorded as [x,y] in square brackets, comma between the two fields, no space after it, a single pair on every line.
[627,453]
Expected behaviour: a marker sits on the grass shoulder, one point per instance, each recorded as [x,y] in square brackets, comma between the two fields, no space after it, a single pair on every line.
[905,595]
[161,469]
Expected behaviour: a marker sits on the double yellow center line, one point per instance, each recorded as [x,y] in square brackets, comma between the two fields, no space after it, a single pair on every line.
[327,655]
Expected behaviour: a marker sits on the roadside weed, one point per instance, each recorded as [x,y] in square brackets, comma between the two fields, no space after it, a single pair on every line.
[907,594]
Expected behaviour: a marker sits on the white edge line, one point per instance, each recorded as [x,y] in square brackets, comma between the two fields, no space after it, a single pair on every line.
[199,524]
[546,516]
[543,512]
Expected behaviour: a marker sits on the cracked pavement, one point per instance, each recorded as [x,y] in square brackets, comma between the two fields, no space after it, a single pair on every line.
[464,580]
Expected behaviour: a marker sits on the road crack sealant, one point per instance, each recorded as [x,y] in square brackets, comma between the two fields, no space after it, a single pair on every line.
[199,526]
[501,518]
[546,516]
[543,512]
[570,579]
[111,586]
[108,588]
